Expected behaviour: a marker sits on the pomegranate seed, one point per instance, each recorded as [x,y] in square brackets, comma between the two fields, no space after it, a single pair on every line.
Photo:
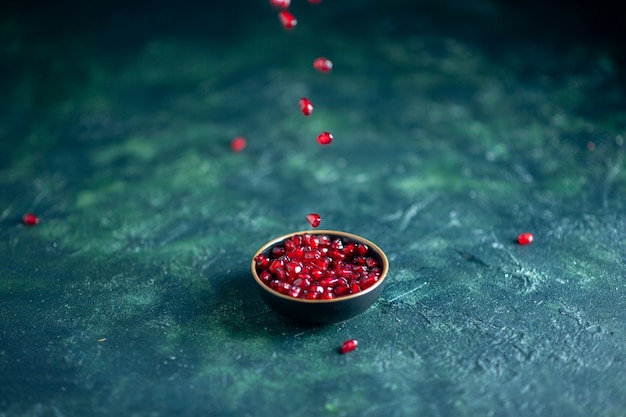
[287,19]
[312,241]
[327,295]
[315,1]
[525,238]
[323,64]
[371,262]
[238,144]
[274,265]
[312,296]
[280,3]
[337,244]
[314,219]
[329,282]
[362,249]
[295,292]
[306,107]
[290,245]
[349,345]
[315,289]
[30,219]
[293,268]
[262,261]
[368,281]
[341,290]
[265,276]
[325,138]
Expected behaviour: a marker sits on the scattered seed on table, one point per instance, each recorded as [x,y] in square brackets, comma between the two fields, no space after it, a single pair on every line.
[29,219]
[323,64]
[238,144]
[525,238]
[349,345]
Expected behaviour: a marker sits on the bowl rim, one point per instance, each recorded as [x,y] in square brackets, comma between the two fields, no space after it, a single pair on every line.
[350,236]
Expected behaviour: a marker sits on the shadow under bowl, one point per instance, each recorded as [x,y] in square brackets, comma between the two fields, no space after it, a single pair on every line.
[321,311]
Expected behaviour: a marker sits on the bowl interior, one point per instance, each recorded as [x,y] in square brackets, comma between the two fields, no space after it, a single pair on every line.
[322,311]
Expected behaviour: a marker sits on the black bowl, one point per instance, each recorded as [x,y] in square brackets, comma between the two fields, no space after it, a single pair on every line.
[321,311]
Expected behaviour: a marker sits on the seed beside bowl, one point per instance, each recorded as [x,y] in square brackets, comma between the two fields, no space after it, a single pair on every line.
[287,273]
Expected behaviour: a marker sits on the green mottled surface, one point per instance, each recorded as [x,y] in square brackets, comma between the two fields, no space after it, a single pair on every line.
[457,126]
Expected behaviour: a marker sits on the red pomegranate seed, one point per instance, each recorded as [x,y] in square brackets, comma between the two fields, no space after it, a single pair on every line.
[238,144]
[327,295]
[349,345]
[265,276]
[315,1]
[293,268]
[324,138]
[341,290]
[371,262]
[280,3]
[262,261]
[278,251]
[525,238]
[323,64]
[368,280]
[314,219]
[287,19]
[30,219]
[295,292]
[312,296]
[306,107]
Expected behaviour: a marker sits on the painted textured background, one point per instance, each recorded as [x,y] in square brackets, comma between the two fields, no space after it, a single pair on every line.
[457,126]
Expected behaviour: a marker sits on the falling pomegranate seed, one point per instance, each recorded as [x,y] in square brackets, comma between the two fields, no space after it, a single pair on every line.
[287,19]
[280,3]
[30,219]
[349,345]
[238,144]
[324,138]
[525,238]
[315,1]
[314,219]
[323,64]
[306,107]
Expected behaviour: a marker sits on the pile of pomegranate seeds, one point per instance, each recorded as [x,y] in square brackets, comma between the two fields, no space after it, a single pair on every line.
[306,107]
[525,238]
[315,267]
[314,219]
[323,64]
[349,345]
[29,219]
[287,19]
[238,144]
[325,138]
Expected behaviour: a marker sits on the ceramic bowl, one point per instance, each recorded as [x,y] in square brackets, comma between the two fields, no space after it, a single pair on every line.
[321,311]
